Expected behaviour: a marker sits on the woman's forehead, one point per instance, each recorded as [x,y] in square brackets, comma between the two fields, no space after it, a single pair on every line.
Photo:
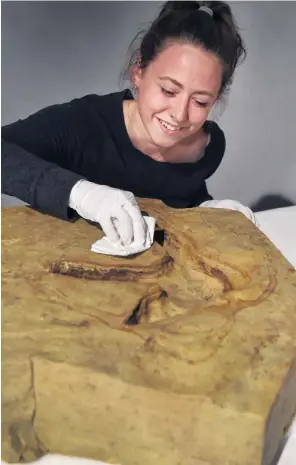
[185,54]
[186,62]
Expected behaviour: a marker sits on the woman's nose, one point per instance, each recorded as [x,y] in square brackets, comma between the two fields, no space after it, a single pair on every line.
[179,113]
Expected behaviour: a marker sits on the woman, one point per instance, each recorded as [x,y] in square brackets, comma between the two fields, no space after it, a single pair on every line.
[91,156]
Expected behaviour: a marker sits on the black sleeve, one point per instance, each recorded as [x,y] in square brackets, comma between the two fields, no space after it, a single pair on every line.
[201,195]
[212,159]
[36,162]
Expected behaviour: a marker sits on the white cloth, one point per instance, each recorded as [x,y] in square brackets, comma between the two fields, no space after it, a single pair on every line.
[105,246]
[115,210]
[231,205]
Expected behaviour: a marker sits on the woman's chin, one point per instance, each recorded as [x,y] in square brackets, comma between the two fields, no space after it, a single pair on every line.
[164,140]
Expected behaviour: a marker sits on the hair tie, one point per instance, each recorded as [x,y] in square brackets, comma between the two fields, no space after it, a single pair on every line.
[206,10]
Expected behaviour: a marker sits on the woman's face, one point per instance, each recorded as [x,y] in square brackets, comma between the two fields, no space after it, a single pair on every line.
[176,92]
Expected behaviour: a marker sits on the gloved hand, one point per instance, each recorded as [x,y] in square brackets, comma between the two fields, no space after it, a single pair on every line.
[231,205]
[115,210]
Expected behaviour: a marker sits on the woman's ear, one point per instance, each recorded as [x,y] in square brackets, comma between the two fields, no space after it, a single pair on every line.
[135,72]
[136,75]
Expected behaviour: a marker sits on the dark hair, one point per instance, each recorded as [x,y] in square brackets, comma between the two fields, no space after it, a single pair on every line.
[185,22]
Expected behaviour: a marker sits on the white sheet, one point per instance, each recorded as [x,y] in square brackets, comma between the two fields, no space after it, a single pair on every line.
[280,226]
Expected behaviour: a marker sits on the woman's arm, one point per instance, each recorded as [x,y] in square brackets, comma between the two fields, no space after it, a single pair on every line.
[42,184]
[36,166]
[42,157]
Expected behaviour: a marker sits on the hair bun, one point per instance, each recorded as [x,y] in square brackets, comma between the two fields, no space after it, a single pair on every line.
[173,7]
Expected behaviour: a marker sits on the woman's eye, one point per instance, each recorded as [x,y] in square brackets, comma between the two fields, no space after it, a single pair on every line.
[201,104]
[166,92]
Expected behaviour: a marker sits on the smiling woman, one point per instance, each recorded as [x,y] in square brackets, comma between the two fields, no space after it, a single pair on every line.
[175,95]
[93,155]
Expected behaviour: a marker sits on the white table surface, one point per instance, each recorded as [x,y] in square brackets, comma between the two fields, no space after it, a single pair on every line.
[280,226]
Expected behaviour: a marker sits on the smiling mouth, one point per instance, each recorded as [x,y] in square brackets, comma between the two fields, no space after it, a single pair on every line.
[170,128]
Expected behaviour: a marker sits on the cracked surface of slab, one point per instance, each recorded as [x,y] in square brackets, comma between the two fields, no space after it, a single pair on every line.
[182,355]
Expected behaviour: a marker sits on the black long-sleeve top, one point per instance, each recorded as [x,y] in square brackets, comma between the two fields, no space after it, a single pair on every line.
[44,155]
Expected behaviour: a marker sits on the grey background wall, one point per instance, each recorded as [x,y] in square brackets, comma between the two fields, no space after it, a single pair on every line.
[55,51]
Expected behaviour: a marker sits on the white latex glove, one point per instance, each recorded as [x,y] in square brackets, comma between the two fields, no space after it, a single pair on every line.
[231,205]
[115,210]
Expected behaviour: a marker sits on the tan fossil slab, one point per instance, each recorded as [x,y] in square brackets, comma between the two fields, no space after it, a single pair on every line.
[183,355]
